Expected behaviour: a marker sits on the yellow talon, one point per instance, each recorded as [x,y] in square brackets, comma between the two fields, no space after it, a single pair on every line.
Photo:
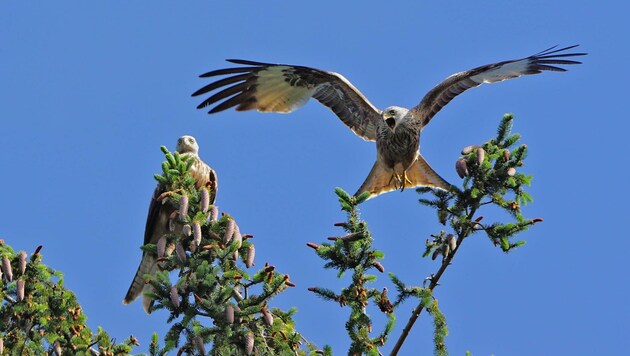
[404,180]
[394,175]
[400,181]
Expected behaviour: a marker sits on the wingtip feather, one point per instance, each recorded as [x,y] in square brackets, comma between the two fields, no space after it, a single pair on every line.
[552,52]
[248,62]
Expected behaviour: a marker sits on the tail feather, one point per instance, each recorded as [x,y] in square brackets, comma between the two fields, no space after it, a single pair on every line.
[420,174]
[378,181]
[147,302]
[148,265]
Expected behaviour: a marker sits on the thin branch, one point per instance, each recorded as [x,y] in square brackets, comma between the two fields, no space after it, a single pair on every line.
[434,282]
[9,299]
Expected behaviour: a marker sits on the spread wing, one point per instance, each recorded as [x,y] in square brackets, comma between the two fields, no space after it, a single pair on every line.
[285,88]
[458,83]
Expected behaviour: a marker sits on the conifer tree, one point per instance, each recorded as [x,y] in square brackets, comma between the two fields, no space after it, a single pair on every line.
[220,301]
[490,177]
[39,316]
[208,286]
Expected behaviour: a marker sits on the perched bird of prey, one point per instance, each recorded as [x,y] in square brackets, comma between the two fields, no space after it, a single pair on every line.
[284,88]
[159,214]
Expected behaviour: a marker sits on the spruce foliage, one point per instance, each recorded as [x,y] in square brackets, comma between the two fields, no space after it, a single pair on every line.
[354,252]
[491,177]
[208,285]
[220,302]
[39,316]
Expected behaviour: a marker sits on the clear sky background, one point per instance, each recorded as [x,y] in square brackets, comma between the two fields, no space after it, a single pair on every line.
[90,90]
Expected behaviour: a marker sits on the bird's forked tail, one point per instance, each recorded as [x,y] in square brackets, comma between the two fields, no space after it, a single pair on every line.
[382,179]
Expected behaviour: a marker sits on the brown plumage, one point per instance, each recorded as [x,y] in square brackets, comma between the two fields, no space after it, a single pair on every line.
[284,88]
[158,218]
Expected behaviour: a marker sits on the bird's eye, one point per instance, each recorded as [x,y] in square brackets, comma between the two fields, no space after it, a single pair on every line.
[191,140]
[392,112]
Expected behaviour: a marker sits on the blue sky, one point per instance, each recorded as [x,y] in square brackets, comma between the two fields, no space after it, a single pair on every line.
[90,90]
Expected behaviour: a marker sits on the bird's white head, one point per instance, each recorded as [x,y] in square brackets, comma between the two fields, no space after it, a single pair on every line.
[394,115]
[187,144]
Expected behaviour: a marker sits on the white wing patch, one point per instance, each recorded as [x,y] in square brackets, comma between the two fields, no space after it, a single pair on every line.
[274,94]
[506,71]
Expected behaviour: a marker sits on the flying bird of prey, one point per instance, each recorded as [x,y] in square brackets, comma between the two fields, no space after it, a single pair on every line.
[284,88]
[159,214]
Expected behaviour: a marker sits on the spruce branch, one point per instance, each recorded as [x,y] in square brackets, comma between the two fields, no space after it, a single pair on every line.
[206,285]
[490,177]
[353,252]
[38,315]
[440,330]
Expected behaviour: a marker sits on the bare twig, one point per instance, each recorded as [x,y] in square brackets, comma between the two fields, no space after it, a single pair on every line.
[434,282]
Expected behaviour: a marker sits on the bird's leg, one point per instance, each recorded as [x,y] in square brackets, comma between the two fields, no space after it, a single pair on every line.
[396,178]
[392,179]
[404,180]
